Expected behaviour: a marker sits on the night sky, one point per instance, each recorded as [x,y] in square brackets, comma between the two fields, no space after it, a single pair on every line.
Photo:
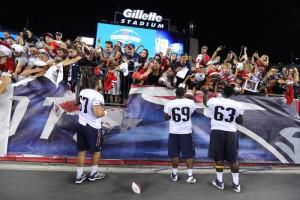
[269,27]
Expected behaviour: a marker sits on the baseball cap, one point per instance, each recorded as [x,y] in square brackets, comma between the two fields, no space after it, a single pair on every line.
[130,44]
[17,48]
[58,34]
[43,51]
[49,35]
[2,54]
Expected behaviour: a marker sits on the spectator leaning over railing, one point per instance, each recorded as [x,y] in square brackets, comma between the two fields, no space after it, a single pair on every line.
[293,79]
[232,59]
[33,53]
[203,57]
[40,65]
[10,40]
[168,79]
[20,58]
[6,62]
[261,63]
[142,59]
[215,58]
[182,71]
[130,55]
[153,72]
[62,54]
[173,60]
[107,52]
[113,82]
[51,45]
[73,74]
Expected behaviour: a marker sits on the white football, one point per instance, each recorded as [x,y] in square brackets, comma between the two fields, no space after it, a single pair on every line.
[161,80]
[240,66]
[199,77]
[136,188]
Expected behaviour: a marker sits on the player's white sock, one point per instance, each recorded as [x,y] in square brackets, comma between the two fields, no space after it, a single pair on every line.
[174,171]
[190,172]
[94,169]
[220,176]
[79,172]
[235,178]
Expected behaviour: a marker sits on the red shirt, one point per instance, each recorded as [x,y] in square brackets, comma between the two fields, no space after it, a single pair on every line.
[8,66]
[205,59]
[261,66]
[164,65]
[243,74]
[55,47]
[5,44]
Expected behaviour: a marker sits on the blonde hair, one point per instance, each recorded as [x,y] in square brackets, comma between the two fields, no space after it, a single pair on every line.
[226,66]
[248,67]
[265,57]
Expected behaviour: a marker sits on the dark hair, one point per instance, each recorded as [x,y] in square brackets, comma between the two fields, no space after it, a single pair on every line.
[116,51]
[73,47]
[158,55]
[32,46]
[147,52]
[109,42]
[117,48]
[228,91]
[63,50]
[179,92]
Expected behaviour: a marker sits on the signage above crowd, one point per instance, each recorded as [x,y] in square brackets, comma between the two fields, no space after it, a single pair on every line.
[140,18]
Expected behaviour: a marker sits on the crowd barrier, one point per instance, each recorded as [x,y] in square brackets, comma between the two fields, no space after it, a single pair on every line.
[40,120]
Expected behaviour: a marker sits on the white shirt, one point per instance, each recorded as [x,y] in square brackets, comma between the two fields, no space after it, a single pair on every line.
[88,99]
[199,58]
[30,62]
[180,111]
[223,113]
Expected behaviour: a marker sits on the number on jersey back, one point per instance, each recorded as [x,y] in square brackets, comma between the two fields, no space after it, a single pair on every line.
[223,113]
[180,111]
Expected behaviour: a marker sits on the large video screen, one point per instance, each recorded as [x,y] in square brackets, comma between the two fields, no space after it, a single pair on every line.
[12,35]
[153,40]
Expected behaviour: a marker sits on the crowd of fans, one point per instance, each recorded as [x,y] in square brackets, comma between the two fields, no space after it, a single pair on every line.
[119,65]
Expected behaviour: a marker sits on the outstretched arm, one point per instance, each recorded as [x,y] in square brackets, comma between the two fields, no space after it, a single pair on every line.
[5,81]
[205,97]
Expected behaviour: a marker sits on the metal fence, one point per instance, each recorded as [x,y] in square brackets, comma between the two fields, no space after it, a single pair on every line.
[123,81]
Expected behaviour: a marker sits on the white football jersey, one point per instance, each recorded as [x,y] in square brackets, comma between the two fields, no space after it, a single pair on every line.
[89,98]
[223,113]
[180,111]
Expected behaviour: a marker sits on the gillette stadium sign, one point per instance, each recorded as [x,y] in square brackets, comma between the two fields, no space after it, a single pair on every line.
[142,19]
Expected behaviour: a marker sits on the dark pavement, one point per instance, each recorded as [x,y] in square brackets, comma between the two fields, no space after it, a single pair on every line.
[46,185]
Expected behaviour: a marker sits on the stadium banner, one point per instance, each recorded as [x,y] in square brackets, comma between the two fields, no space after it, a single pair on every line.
[5,110]
[44,121]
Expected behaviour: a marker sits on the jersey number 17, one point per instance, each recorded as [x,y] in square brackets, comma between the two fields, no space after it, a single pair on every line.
[83,103]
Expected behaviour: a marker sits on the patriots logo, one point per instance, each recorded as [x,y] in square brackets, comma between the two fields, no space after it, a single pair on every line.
[44,122]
